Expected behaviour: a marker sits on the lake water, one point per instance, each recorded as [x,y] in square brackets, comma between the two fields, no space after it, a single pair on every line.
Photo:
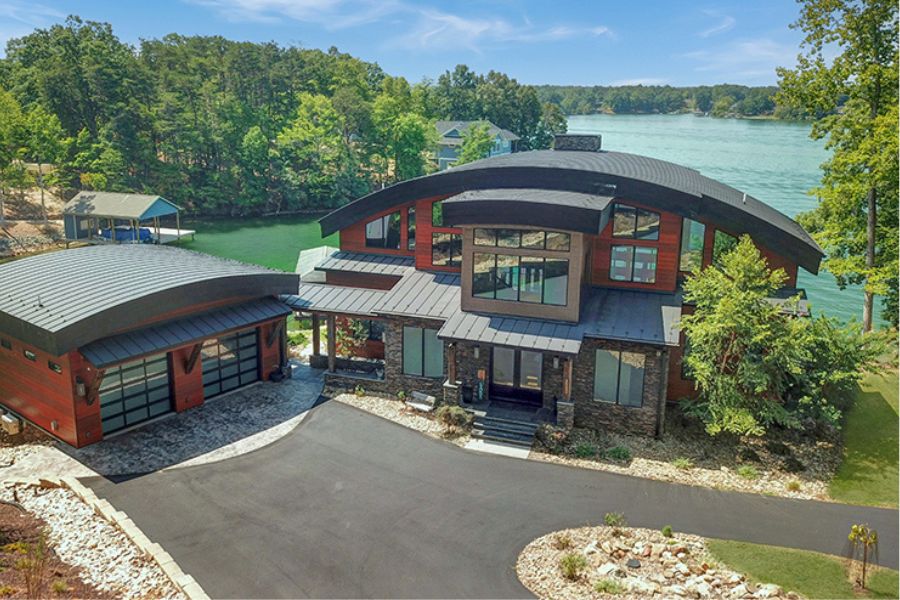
[771,160]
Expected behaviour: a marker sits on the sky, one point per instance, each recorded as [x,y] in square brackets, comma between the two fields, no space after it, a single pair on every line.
[586,42]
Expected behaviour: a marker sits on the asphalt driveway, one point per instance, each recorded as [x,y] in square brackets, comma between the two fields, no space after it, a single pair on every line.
[350,505]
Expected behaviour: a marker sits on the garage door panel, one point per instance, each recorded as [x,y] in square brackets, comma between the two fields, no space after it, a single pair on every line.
[135,392]
[230,362]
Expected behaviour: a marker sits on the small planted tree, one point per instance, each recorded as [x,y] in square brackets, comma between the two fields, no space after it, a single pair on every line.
[863,545]
[477,143]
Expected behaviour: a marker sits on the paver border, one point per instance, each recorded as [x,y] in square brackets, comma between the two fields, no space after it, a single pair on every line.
[181,580]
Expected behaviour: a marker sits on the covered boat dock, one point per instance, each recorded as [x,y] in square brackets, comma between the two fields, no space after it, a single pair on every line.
[112,217]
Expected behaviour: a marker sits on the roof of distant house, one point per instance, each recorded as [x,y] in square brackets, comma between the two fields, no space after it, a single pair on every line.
[119,205]
[445,128]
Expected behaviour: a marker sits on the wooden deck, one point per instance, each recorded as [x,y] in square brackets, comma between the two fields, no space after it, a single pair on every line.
[167,235]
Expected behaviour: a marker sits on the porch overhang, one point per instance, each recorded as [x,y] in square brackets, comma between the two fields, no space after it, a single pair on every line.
[513,332]
[334,299]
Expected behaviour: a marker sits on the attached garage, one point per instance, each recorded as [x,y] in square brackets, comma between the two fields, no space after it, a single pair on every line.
[97,340]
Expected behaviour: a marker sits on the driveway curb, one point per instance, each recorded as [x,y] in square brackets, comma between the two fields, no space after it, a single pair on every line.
[181,580]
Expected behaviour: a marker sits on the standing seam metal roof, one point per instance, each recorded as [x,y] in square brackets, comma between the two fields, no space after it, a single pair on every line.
[123,206]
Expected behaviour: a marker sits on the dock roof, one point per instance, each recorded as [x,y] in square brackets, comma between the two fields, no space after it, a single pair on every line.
[119,205]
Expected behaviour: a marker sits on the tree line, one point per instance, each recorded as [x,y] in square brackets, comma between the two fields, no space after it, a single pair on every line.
[233,128]
[724,100]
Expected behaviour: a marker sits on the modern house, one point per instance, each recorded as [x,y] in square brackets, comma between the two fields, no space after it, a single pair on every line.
[546,279]
[451,138]
[99,339]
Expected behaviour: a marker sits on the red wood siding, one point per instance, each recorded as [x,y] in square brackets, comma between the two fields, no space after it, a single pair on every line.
[269,355]
[666,260]
[678,387]
[87,410]
[363,280]
[32,390]
[187,388]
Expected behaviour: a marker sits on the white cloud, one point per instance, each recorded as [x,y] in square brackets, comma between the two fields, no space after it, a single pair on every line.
[641,81]
[429,28]
[746,59]
[19,18]
[725,24]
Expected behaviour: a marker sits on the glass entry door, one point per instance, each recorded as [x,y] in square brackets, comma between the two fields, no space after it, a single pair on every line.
[516,375]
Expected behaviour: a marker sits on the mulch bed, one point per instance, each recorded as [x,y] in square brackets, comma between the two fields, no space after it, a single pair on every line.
[20,533]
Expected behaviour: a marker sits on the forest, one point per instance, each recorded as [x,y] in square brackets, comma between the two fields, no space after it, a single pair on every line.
[232,128]
[723,100]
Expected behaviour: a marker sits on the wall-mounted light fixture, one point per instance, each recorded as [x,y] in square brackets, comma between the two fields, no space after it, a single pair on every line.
[555,362]
[80,388]
[477,352]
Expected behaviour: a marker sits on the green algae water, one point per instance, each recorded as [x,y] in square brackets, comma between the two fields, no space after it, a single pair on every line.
[774,161]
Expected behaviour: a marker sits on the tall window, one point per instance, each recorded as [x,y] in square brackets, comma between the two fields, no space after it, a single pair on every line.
[411,228]
[723,243]
[384,232]
[619,377]
[692,236]
[532,279]
[423,352]
[446,249]
[437,214]
[633,263]
[635,223]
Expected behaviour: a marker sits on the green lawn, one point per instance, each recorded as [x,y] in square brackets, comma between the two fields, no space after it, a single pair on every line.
[811,574]
[868,474]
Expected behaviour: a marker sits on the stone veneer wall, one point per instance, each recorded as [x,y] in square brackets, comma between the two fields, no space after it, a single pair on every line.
[647,419]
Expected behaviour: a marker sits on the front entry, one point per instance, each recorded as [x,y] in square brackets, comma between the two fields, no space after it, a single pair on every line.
[516,375]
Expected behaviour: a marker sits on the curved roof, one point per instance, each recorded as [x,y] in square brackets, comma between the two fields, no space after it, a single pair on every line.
[62,300]
[664,185]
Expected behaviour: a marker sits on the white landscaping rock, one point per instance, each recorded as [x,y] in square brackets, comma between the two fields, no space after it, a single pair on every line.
[608,570]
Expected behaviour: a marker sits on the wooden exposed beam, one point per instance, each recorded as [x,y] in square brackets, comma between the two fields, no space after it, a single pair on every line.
[94,389]
[316,334]
[274,333]
[191,361]
[332,349]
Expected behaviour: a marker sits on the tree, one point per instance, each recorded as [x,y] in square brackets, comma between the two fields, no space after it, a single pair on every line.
[755,364]
[12,173]
[477,143]
[856,219]
[45,143]
[412,137]
[552,122]
[723,106]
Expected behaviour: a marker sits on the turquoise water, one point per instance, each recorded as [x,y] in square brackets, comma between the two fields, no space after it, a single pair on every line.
[771,160]
[774,161]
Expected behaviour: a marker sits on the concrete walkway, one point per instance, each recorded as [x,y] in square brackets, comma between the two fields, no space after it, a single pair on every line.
[351,505]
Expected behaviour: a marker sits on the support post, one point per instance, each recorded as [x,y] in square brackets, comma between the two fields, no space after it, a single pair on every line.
[316,334]
[178,225]
[567,379]
[451,363]
[331,343]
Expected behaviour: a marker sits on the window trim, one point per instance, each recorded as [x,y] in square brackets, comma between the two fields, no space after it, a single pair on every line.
[55,367]
[518,287]
[633,248]
[634,229]
[495,235]
[422,361]
[617,401]
[685,240]
[411,227]
[454,260]
[385,223]
[437,210]
[29,355]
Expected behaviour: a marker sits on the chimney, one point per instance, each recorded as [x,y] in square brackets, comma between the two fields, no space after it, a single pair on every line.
[580,143]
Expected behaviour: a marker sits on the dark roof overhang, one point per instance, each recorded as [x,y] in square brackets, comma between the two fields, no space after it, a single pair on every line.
[551,209]
[648,181]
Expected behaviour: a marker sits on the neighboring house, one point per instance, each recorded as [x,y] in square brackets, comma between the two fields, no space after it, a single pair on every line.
[546,279]
[99,339]
[451,138]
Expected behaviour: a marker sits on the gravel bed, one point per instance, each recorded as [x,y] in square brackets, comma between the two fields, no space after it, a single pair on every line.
[108,559]
[625,562]
[785,464]
[398,412]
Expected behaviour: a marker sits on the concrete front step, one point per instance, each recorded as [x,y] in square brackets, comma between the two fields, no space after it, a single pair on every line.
[505,425]
[514,439]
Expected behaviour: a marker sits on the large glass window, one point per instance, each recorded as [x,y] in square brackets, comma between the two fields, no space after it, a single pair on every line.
[384,232]
[523,238]
[723,243]
[692,235]
[619,377]
[411,228]
[229,362]
[520,278]
[437,214]
[423,352]
[633,263]
[446,249]
[635,223]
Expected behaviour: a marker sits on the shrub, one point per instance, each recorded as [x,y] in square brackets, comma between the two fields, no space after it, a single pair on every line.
[614,519]
[33,565]
[747,472]
[608,586]
[451,416]
[562,541]
[572,565]
[585,450]
[7,590]
[667,531]
[683,463]
[793,486]
[401,395]
[60,587]
[619,453]
[360,391]
[553,438]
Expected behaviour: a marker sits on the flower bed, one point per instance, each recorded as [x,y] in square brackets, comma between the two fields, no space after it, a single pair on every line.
[395,410]
[615,561]
[783,464]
